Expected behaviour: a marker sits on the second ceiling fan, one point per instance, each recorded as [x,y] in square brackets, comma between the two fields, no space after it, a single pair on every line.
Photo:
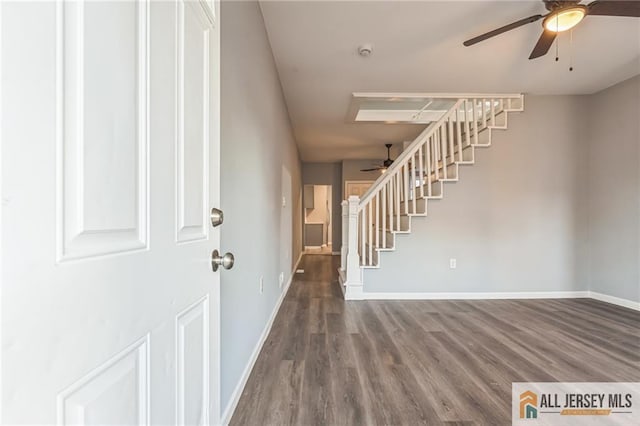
[385,164]
[564,15]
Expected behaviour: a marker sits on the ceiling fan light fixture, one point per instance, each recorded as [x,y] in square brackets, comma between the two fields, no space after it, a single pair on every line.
[564,19]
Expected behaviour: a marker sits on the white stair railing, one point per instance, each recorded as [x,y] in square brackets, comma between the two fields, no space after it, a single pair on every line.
[370,223]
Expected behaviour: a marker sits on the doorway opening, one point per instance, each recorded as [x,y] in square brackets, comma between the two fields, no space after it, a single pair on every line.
[317,219]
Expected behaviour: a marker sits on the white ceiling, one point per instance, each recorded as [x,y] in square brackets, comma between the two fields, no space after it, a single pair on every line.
[418,48]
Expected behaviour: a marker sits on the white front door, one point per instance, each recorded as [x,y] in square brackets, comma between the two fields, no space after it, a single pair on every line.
[110,145]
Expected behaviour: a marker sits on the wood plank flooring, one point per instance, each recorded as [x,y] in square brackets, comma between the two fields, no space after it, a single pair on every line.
[331,362]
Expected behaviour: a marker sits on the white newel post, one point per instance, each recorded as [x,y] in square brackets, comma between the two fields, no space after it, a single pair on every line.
[353,290]
[345,235]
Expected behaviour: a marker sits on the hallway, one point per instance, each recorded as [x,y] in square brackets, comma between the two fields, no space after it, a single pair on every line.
[331,362]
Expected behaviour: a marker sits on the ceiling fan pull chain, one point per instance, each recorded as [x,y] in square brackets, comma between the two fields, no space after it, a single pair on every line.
[571,50]
[557,41]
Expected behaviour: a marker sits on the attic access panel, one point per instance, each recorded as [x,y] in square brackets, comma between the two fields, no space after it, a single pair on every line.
[393,108]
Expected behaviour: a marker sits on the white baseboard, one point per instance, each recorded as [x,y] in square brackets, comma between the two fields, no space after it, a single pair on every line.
[505,295]
[615,300]
[237,392]
[478,295]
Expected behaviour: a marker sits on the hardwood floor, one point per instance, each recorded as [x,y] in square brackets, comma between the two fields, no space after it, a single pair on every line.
[320,250]
[331,362]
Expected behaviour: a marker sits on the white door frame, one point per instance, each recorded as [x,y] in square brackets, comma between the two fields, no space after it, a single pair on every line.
[1,209]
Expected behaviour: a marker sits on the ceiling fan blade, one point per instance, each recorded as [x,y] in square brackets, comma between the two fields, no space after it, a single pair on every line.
[614,8]
[543,45]
[504,29]
[372,170]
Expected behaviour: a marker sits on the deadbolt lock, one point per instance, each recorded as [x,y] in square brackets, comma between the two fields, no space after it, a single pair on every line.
[217,217]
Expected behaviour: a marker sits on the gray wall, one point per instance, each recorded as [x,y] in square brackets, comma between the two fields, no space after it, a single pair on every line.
[260,166]
[613,256]
[513,222]
[328,174]
[553,205]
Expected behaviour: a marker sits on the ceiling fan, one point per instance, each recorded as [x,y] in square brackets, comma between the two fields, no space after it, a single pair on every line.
[564,15]
[385,164]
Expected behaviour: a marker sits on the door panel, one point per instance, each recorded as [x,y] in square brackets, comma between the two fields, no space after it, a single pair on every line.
[192,342]
[110,164]
[116,393]
[192,152]
[101,124]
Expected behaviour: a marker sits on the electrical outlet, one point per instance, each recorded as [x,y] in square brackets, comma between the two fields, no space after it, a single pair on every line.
[453,263]
[281,279]
[261,285]
[284,202]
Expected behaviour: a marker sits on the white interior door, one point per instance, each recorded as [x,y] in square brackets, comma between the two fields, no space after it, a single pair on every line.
[110,147]
[356,187]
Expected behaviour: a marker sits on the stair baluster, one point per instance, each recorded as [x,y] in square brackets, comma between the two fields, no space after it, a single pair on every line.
[416,176]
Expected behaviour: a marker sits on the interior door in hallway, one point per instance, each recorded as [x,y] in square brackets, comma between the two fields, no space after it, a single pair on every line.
[109,169]
[356,187]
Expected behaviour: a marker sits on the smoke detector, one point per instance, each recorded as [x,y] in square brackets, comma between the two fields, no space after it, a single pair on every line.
[365,50]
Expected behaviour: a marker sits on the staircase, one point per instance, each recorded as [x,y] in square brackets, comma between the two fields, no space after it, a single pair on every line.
[370,224]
